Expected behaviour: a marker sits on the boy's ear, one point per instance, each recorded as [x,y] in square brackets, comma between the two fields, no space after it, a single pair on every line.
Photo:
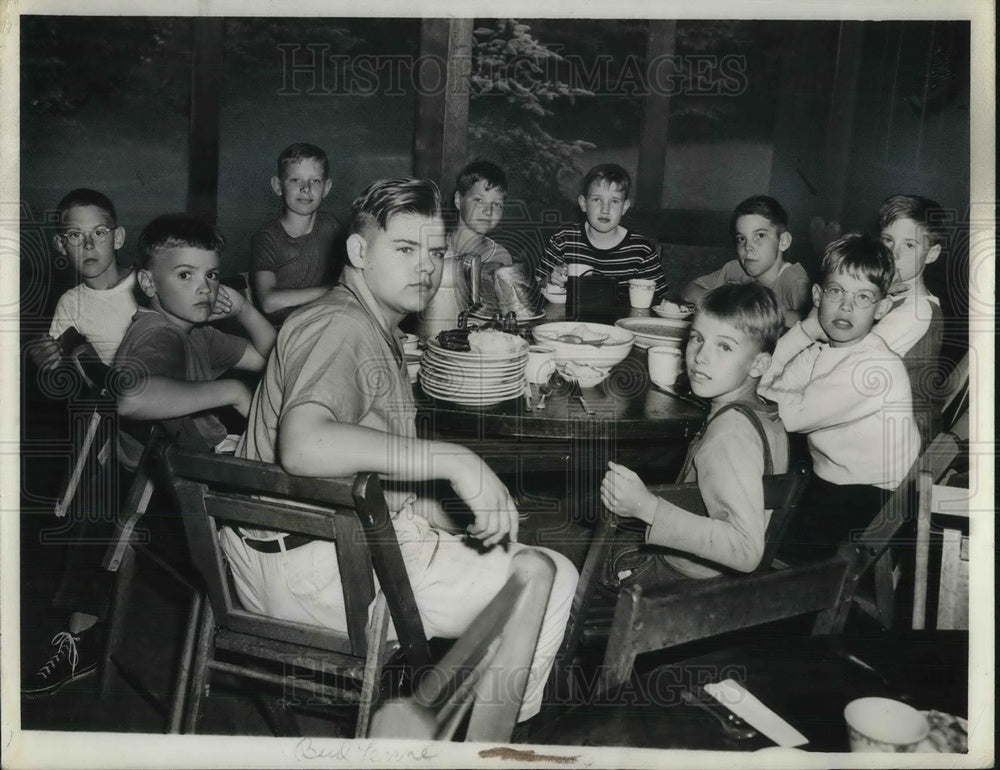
[582,202]
[761,363]
[458,200]
[356,246]
[276,186]
[933,253]
[327,186]
[119,240]
[626,205]
[784,241]
[883,306]
[145,280]
[817,292]
[59,243]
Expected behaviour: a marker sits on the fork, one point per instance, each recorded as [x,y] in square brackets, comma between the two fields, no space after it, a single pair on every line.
[545,388]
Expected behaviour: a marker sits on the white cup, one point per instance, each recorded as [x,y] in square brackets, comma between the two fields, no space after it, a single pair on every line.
[574,269]
[541,364]
[640,292]
[884,725]
[664,365]
[411,345]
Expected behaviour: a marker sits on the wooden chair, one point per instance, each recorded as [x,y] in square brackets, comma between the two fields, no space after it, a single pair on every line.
[95,443]
[353,516]
[955,421]
[125,552]
[486,671]
[953,590]
[647,621]
[782,493]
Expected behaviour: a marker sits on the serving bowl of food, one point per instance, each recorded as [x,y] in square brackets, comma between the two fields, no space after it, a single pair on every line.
[651,332]
[598,345]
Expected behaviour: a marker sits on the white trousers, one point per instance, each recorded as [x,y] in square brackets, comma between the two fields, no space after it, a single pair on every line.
[452,583]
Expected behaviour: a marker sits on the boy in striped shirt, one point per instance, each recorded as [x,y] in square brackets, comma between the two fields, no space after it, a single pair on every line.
[600,241]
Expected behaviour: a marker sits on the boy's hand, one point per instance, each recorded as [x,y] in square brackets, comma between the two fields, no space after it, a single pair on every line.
[44,352]
[560,273]
[624,494]
[486,495]
[811,326]
[228,304]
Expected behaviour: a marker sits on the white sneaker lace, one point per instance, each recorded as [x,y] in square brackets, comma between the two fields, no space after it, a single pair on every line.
[66,645]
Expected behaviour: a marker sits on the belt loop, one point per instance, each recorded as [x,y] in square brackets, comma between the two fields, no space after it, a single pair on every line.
[281,544]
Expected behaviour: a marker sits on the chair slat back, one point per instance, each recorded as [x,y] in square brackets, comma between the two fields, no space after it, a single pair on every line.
[210,489]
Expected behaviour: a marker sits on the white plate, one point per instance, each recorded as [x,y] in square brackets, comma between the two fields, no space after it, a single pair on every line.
[473,357]
[471,399]
[458,382]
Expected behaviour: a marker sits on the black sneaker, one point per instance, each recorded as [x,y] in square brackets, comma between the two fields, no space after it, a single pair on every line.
[75,657]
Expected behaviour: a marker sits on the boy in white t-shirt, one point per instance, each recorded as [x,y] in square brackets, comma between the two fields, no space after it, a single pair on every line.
[102,305]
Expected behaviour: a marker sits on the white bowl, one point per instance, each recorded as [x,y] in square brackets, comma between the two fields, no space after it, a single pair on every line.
[614,348]
[674,311]
[554,294]
[585,375]
[650,332]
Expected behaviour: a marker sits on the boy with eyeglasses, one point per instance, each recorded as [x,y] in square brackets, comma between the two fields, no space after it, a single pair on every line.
[100,309]
[101,306]
[842,386]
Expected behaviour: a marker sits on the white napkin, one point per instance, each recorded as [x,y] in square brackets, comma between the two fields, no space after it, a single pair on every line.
[747,707]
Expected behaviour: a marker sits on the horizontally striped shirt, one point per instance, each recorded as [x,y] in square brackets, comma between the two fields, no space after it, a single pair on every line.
[634,257]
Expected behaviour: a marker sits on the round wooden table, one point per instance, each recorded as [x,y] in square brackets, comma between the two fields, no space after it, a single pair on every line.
[553,459]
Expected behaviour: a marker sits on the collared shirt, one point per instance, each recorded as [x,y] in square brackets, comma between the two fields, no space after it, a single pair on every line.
[340,353]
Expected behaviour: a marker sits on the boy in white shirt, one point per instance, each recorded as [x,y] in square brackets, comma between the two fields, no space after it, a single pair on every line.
[102,305]
[848,392]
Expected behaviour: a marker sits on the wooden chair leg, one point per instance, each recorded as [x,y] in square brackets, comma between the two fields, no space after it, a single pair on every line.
[375,638]
[184,667]
[924,489]
[619,657]
[119,606]
[199,671]
[885,591]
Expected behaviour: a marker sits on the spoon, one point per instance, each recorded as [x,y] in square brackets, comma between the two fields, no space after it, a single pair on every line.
[576,339]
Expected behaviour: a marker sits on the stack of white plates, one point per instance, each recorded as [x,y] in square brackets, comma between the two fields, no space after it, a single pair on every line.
[472,378]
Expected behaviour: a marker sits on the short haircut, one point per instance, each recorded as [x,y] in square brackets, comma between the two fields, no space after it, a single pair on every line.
[611,173]
[481,171]
[860,256]
[751,308]
[293,153]
[172,231]
[386,197]
[83,196]
[923,211]
[762,205]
